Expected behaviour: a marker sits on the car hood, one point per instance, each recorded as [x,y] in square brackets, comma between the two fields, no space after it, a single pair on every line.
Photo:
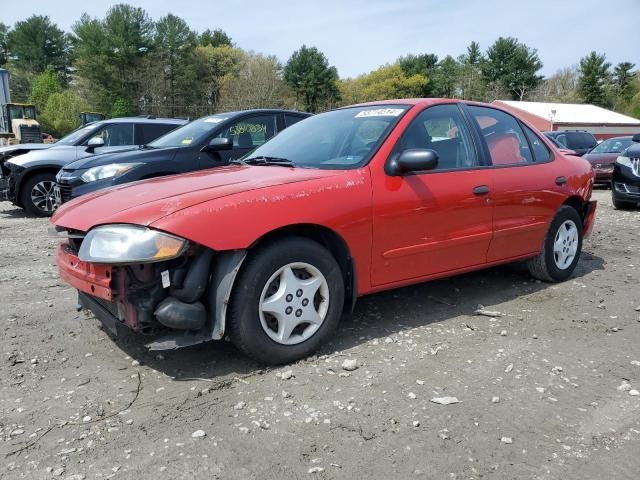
[601,157]
[24,146]
[57,153]
[147,201]
[126,156]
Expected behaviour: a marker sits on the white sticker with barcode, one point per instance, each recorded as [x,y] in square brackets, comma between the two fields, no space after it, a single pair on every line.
[165,279]
[380,112]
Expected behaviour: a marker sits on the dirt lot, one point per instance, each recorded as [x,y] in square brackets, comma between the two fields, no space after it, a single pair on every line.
[548,389]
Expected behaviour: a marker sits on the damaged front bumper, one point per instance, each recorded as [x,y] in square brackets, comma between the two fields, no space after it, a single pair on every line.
[179,302]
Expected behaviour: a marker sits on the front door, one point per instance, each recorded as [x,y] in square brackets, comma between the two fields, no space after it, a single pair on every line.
[247,133]
[437,221]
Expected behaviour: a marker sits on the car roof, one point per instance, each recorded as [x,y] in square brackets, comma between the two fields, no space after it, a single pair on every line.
[237,113]
[145,119]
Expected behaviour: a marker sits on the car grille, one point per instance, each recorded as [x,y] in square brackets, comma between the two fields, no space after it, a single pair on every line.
[65,191]
[635,166]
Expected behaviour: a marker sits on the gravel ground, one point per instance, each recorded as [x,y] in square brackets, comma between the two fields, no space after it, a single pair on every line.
[546,386]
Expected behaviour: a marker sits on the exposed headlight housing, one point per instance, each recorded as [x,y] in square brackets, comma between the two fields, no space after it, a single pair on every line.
[124,244]
[632,163]
[107,171]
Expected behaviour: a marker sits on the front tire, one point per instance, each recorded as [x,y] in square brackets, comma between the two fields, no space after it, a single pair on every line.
[37,195]
[561,248]
[287,301]
[621,204]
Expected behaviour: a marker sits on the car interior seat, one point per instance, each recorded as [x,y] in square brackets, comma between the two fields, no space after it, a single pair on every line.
[505,149]
[245,140]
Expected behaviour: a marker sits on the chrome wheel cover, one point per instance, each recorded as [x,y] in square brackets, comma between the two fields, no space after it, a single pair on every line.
[565,245]
[294,303]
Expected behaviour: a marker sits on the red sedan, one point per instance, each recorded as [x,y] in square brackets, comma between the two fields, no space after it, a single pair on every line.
[274,248]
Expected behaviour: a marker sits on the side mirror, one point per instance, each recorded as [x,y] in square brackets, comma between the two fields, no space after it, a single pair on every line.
[412,160]
[218,144]
[94,143]
[636,138]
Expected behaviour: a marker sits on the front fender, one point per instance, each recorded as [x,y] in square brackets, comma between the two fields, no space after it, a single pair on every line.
[341,203]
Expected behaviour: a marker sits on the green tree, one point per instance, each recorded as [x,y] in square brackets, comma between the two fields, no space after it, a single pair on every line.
[36,43]
[594,79]
[258,84]
[43,86]
[110,52]
[215,38]
[215,66]
[4,49]
[174,46]
[62,112]
[510,68]
[121,108]
[447,78]
[386,82]
[622,80]
[471,84]
[313,81]
[425,65]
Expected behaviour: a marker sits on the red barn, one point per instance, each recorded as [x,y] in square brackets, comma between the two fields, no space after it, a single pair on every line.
[602,123]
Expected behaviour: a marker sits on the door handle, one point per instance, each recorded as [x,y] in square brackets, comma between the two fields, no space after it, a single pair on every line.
[481,190]
[561,180]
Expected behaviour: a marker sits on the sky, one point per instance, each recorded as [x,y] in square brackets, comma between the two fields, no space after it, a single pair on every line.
[358,36]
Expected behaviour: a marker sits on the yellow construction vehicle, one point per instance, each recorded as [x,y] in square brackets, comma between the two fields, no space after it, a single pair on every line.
[18,122]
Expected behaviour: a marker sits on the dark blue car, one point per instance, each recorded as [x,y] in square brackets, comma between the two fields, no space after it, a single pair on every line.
[208,142]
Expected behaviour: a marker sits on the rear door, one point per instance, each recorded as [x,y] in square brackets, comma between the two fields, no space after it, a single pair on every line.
[148,132]
[524,192]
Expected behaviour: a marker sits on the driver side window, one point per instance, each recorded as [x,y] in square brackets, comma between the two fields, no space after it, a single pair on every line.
[442,129]
[250,132]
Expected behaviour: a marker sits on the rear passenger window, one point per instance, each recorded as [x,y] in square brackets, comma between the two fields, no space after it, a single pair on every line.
[291,119]
[152,131]
[505,139]
[540,151]
[443,130]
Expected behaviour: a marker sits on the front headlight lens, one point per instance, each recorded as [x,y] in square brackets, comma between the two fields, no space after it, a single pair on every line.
[622,160]
[121,244]
[107,171]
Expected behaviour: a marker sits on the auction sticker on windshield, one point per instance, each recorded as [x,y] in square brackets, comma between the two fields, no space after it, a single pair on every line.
[380,112]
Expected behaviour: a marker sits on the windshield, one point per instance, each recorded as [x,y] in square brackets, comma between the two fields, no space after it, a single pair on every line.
[613,145]
[345,138]
[78,134]
[191,133]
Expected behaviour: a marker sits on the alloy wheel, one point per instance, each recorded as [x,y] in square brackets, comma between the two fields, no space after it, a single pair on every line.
[43,196]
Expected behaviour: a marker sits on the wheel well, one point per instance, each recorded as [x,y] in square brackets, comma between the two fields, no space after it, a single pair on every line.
[577,203]
[332,242]
[30,174]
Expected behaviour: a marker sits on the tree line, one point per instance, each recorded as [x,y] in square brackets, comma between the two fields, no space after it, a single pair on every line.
[128,64]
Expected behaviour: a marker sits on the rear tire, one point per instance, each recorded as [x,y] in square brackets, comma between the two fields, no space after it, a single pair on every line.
[37,196]
[287,301]
[561,248]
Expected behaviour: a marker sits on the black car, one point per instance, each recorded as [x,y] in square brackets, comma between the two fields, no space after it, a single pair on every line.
[580,141]
[204,143]
[28,180]
[625,180]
